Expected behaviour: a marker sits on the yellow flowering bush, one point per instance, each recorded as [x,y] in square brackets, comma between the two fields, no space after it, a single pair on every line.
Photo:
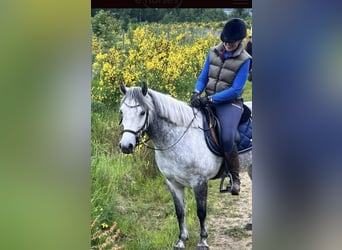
[168,57]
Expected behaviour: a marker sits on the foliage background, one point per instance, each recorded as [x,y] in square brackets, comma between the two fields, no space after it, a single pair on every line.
[168,57]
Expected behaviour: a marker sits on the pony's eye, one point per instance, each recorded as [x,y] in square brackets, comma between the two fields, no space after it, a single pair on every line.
[142,113]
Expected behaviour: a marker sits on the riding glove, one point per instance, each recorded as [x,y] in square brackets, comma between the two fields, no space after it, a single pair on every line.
[195,100]
[204,101]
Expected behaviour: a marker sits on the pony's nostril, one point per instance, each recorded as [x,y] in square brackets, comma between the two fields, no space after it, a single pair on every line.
[126,148]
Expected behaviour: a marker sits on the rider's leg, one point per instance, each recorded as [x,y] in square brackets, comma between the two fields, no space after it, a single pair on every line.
[229,116]
[232,159]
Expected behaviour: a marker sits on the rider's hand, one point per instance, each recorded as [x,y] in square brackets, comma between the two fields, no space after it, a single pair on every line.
[195,100]
[204,101]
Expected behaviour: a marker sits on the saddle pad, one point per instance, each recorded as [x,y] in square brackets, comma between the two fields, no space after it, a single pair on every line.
[245,131]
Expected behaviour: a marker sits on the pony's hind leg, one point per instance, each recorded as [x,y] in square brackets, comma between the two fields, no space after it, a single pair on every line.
[177,192]
[201,193]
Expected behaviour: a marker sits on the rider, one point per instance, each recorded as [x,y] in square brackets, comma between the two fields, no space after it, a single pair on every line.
[223,79]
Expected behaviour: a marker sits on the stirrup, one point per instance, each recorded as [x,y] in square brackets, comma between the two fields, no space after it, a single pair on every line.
[229,187]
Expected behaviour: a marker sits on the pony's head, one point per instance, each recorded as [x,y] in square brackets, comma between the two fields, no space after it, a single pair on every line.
[134,111]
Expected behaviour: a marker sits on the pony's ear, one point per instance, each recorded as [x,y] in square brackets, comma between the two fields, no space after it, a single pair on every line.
[144,88]
[122,88]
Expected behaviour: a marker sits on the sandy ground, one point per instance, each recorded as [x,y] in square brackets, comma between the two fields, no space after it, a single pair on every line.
[228,216]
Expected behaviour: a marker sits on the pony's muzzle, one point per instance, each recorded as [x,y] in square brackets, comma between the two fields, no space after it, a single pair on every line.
[127,143]
[126,148]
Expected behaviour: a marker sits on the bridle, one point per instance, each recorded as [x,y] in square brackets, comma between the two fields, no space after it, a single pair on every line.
[140,132]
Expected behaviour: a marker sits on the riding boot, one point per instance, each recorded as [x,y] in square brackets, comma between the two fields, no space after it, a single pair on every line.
[232,159]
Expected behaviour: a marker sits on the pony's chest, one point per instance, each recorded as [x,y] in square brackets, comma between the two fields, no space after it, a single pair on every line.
[170,162]
[173,166]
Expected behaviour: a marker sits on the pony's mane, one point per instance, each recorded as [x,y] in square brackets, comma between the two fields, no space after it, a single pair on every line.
[164,106]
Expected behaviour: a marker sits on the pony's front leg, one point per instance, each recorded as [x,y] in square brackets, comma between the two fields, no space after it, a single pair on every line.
[177,192]
[201,193]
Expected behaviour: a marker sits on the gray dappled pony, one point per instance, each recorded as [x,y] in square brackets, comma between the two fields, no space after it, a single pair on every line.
[181,152]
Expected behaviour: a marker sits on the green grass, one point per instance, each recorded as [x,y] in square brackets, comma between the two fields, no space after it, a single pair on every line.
[247,93]
[142,207]
[130,190]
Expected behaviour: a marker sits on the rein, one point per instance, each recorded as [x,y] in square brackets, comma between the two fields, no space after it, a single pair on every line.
[172,145]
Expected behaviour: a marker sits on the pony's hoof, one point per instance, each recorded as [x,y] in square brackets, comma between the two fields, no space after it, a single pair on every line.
[179,245]
[202,248]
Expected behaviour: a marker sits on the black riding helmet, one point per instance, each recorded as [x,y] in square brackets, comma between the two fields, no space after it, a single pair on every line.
[235,29]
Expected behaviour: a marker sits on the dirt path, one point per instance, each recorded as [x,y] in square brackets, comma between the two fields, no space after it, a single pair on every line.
[232,213]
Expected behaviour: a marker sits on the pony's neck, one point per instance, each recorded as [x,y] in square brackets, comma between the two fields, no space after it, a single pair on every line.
[172,110]
[162,132]
[170,119]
